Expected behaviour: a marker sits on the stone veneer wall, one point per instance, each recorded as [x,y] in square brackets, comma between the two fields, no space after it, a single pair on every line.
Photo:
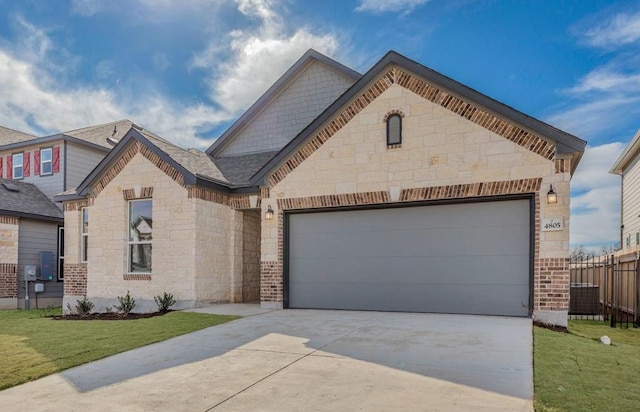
[9,232]
[450,150]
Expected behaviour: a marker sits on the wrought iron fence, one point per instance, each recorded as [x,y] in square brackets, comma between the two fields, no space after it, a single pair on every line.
[606,288]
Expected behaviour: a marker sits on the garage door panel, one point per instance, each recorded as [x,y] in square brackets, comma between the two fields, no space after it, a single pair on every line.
[413,298]
[461,258]
[428,270]
[430,242]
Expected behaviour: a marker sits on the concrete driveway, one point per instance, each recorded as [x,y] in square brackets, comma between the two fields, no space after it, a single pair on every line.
[309,360]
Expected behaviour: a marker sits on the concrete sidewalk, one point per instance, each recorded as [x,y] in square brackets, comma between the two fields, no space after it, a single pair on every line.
[296,360]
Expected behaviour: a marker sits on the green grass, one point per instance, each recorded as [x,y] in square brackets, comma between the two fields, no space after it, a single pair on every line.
[33,346]
[576,372]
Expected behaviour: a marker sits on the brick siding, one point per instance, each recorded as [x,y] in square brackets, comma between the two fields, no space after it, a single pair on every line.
[75,279]
[563,165]
[8,280]
[552,283]
[145,193]
[9,220]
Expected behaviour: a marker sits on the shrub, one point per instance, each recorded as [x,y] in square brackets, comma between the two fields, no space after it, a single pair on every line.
[126,304]
[83,307]
[164,302]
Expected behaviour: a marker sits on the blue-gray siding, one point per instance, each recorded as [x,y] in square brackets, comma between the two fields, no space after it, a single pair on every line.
[35,236]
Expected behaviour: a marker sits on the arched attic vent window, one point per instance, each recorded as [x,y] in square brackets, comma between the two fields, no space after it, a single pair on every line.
[394,128]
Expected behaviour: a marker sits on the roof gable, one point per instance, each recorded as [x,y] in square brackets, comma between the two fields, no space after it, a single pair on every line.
[629,154]
[186,167]
[297,97]
[393,68]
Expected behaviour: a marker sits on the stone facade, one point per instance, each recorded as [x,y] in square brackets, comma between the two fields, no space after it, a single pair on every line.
[450,150]
[9,232]
[213,245]
[197,241]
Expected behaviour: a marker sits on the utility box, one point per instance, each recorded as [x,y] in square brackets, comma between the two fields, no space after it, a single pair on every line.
[38,287]
[46,265]
[30,273]
[584,299]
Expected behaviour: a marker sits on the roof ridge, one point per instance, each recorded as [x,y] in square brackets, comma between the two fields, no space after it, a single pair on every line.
[96,126]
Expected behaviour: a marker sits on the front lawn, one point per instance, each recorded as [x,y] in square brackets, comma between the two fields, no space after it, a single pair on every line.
[32,345]
[576,372]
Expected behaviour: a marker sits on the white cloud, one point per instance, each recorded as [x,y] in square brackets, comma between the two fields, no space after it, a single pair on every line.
[595,211]
[383,6]
[593,170]
[590,118]
[33,100]
[619,30]
[256,57]
[609,80]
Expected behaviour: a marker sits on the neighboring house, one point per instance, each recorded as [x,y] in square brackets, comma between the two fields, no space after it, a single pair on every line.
[29,224]
[52,164]
[628,167]
[397,190]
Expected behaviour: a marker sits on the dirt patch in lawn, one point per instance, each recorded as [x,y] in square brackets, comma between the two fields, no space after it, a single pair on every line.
[109,316]
[554,328]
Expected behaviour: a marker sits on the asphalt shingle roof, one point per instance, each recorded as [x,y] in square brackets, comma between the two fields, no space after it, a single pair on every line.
[20,198]
[240,168]
[98,134]
[195,161]
[8,136]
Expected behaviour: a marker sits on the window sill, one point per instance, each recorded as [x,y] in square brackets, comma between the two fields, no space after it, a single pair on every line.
[394,146]
[136,276]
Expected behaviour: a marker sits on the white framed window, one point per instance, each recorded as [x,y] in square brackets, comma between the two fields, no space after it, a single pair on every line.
[140,236]
[17,162]
[46,161]
[84,245]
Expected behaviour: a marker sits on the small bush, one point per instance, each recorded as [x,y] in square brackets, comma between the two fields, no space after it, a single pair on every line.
[126,304]
[84,306]
[164,302]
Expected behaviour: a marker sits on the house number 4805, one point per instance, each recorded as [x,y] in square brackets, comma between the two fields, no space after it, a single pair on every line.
[551,224]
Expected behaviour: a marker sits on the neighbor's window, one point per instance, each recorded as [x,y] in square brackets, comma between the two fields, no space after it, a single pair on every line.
[140,235]
[17,162]
[394,129]
[85,235]
[60,253]
[46,161]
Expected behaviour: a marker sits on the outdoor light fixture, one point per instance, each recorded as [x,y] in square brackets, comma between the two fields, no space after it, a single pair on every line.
[552,197]
[268,215]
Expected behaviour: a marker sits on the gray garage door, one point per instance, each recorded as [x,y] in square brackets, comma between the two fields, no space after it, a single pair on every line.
[461,258]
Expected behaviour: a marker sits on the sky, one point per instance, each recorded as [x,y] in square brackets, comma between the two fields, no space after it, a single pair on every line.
[185,69]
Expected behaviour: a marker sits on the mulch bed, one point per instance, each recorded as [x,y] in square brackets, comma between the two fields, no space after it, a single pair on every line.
[554,328]
[108,316]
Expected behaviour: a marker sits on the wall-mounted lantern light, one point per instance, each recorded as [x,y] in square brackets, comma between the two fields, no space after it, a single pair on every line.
[268,215]
[552,197]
